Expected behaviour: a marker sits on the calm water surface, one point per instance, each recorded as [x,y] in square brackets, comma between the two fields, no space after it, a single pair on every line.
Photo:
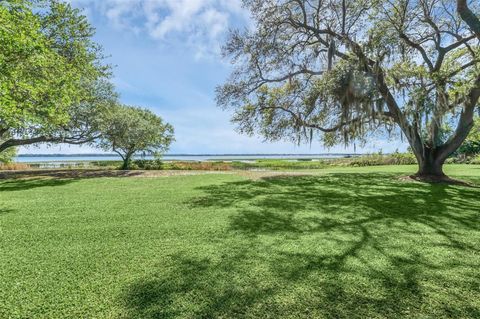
[90,158]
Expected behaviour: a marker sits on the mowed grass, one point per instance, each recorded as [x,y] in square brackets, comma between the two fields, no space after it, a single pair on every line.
[340,243]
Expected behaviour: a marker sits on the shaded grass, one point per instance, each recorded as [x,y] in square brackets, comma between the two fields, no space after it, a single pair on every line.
[341,243]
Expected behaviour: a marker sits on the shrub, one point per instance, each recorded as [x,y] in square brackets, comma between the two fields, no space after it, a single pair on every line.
[451,160]
[281,164]
[200,166]
[186,166]
[475,160]
[380,159]
[147,165]
[8,156]
[106,164]
[14,167]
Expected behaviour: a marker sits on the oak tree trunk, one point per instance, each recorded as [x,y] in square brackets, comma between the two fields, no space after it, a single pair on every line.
[431,166]
[126,163]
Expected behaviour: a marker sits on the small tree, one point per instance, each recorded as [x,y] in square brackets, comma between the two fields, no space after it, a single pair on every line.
[128,130]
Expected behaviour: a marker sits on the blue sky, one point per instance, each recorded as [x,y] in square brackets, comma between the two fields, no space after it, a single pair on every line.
[167,58]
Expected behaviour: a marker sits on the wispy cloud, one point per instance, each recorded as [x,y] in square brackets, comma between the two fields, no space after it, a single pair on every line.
[166,57]
[201,24]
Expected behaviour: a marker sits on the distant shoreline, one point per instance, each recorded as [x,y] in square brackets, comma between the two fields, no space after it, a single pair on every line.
[58,159]
[190,155]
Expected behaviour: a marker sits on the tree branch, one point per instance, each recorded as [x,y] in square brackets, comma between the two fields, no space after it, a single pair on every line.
[465,123]
[19,142]
[419,48]
[45,139]
[468,16]
[320,128]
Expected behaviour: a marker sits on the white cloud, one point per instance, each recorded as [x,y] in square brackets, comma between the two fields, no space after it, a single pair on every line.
[201,24]
[171,83]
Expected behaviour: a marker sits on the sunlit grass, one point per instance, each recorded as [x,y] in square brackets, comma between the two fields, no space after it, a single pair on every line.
[341,243]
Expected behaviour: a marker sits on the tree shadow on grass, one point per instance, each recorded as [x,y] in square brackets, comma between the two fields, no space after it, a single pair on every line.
[195,288]
[24,180]
[67,173]
[333,246]
[5,211]
[25,184]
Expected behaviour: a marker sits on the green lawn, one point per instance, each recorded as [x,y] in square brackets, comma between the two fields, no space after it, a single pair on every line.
[341,243]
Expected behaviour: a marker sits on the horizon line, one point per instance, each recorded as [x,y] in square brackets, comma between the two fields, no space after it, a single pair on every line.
[187,154]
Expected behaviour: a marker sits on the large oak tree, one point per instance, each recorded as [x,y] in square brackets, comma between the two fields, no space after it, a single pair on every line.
[346,69]
[53,81]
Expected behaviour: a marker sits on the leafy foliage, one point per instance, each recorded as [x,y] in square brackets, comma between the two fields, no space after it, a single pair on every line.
[148,165]
[30,71]
[344,70]
[471,146]
[50,68]
[8,156]
[127,130]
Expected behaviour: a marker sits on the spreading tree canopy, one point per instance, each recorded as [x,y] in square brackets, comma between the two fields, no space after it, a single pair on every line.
[53,82]
[128,130]
[343,70]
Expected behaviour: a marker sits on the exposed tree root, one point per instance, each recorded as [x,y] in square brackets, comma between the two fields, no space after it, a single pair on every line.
[436,179]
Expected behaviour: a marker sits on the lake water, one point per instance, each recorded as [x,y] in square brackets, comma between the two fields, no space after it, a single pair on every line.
[90,158]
